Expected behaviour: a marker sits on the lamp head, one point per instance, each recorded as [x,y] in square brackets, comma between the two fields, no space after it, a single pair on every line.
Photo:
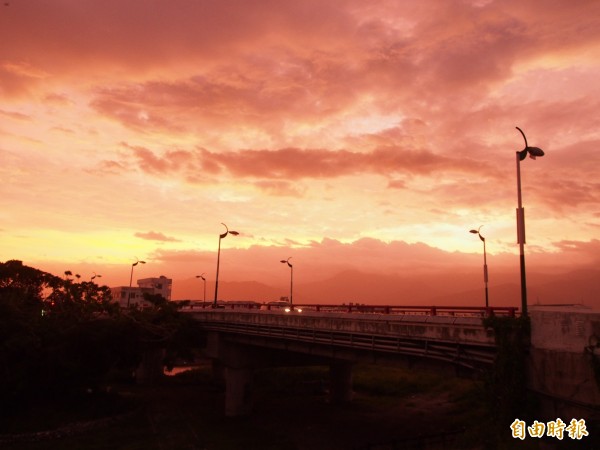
[478,233]
[221,236]
[533,152]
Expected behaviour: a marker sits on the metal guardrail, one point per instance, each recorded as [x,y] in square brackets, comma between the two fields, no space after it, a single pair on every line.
[476,311]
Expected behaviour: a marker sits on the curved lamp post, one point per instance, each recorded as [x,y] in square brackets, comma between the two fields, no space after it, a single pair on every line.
[485,270]
[533,152]
[204,280]
[95,276]
[221,236]
[287,261]
[131,278]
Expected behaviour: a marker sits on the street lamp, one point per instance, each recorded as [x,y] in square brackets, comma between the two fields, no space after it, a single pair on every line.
[533,153]
[221,236]
[95,276]
[204,280]
[131,278]
[485,271]
[287,261]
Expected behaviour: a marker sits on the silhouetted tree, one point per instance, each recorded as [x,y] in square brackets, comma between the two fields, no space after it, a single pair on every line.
[55,334]
[60,335]
[163,326]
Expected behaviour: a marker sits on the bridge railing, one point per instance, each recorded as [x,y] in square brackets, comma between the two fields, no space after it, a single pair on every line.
[458,311]
[416,310]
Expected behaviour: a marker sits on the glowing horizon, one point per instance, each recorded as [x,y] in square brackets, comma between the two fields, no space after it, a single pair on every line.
[129,135]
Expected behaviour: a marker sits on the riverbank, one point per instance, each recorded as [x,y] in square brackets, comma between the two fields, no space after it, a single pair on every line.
[291,413]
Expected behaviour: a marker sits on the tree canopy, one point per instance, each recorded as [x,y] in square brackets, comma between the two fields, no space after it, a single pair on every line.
[59,335]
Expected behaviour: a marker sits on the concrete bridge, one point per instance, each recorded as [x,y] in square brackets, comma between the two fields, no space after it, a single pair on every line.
[242,339]
[563,359]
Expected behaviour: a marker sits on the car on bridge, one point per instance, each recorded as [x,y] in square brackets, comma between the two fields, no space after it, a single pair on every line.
[279,306]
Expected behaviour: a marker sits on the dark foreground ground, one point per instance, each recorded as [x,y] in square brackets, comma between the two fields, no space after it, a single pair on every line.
[390,410]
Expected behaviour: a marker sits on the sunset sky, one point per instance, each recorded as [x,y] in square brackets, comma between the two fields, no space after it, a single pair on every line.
[345,134]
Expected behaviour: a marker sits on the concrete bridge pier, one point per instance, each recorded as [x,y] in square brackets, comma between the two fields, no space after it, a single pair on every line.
[233,365]
[238,391]
[218,373]
[151,367]
[340,382]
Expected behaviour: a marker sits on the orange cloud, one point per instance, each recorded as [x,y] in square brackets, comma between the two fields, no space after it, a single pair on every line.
[294,163]
[15,115]
[380,120]
[154,236]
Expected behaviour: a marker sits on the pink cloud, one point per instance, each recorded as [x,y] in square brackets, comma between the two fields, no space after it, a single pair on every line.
[155,236]
[280,188]
[112,167]
[399,111]
[294,163]
[171,162]
[588,250]
[14,80]
[371,269]
[397,184]
[15,115]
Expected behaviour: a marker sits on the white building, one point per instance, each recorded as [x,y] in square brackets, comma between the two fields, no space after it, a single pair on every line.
[161,285]
[127,296]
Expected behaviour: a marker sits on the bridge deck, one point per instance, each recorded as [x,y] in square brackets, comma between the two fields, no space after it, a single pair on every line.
[461,340]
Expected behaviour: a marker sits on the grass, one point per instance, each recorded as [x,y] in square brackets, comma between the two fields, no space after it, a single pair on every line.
[399,382]
[291,413]
[175,415]
[52,413]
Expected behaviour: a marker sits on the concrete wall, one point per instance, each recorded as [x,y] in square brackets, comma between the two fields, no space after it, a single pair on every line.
[565,345]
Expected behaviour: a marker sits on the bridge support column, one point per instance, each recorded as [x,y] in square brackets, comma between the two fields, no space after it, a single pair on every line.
[232,366]
[151,368]
[340,382]
[218,373]
[238,391]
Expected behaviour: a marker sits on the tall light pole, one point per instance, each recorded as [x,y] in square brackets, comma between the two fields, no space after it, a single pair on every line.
[485,271]
[204,280]
[221,236]
[287,261]
[533,153]
[131,278]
